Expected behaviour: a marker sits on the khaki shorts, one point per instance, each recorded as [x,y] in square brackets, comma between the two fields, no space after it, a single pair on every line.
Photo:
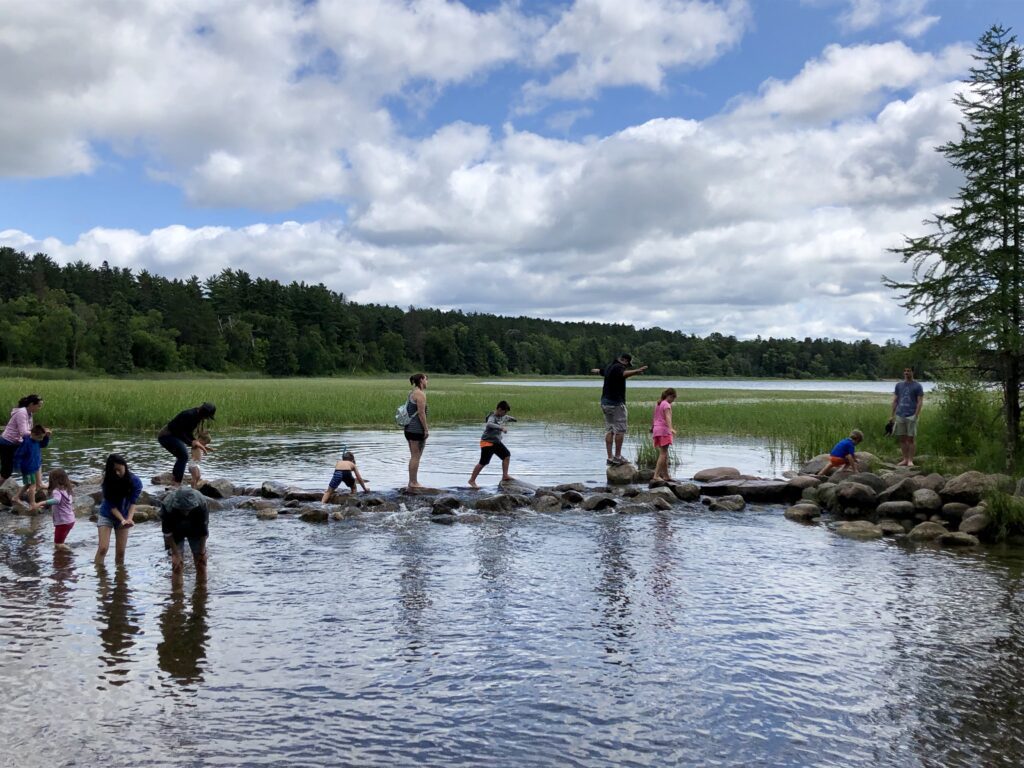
[905,426]
[615,417]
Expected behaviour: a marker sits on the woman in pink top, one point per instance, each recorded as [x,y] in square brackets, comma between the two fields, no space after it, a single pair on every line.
[18,429]
[662,432]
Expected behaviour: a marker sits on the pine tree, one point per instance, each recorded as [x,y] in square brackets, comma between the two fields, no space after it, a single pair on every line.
[967,284]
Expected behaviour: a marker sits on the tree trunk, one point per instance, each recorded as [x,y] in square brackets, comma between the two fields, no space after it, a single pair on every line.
[1011,406]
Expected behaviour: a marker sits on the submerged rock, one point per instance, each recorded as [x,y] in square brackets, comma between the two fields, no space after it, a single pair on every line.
[927,531]
[502,502]
[803,513]
[891,527]
[267,513]
[599,501]
[859,529]
[314,515]
[731,503]
[958,539]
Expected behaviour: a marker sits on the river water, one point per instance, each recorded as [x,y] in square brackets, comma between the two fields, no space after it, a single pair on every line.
[678,638]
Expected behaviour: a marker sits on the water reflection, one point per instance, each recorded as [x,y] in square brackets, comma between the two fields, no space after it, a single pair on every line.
[617,574]
[118,622]
[185,630]
[413,597]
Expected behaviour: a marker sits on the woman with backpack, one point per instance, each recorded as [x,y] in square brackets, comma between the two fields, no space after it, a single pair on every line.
[416,428]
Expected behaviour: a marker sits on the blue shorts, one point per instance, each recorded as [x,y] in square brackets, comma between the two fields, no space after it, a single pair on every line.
[342,476]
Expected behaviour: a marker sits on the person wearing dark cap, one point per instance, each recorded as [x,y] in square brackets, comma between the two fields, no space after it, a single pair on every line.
[179,438]
[613,403]
[185,515]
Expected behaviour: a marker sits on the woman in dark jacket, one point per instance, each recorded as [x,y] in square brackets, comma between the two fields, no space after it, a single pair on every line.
[178,436]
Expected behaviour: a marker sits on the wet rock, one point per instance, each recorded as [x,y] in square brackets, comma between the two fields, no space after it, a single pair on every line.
[302,494]
[810,494]
[93,479]
[373,501]
[84,506]
[644,475]
[573,497]
[732,503]
[93,492]
[805,481]
[424,491]
[927,531]
[563,487]
[547,504]
[803,513]
[767,491]
[8,491]
[872,481]
[902,490]
[827,494]
[850,495]
[144,513]
[502,502]
[896,509]
[686,491]
[958,539]
[815,465]
[621,474]
[891,527]
[146,497]
[932,482]
[220,489]
[345,513]
[272,490]
[518,487]
[443,518]
[975,524]
[954,510]
[267,513]
[664,493]
[635,509]
[470,517]
[971,486]
[599,501]
[164,478]
[927,500]
[259,504]
[981,509]
[716,473]
[863,530]
[314,515]
[445,505]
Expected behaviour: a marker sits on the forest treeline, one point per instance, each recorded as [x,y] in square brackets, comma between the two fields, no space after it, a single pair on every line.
[115,321]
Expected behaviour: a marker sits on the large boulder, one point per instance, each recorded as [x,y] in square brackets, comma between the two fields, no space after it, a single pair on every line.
[502,502]
[651,494]
[517,487]
[164,478]
[733,503]
[144,513]
[958,539]
[572,497]
[803,513]
[314,515]
[767,491]
[954,510]
[926,500]
[302,494]
[84,506]
[599,501]
[805,481]
[445,505]
[902,490]
[813,466]
[547,504]
[621,474]
[975,524]
[971,486]
[933,482]
[686,491]
[272,490]
[863,530]
[895,509]
[221,489]
[9,491]
[850,495]
[716,473]
[891,527]
[826,494]
[927,531]
[871,480]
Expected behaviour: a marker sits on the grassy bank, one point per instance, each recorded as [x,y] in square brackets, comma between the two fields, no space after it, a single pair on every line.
[793,423]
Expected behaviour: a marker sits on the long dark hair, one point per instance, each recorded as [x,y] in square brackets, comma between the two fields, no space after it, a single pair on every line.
[28,400]
[115,487]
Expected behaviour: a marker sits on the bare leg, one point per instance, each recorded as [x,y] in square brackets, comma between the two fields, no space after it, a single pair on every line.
[193,472]
[103,544]
[618,444]
[910,450]
[504,468]
[476,473]
[415,451]
[120,545]
[661,466]
[327,495]
[608,444]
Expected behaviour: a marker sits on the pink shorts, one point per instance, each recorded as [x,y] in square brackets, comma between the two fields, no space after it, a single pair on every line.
[660,441]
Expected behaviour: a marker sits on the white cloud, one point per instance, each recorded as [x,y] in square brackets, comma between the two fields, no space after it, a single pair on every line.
[611,43]
[908,16]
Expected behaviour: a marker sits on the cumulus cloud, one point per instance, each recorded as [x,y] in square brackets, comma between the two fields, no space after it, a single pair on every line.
[908,16]
[611,43]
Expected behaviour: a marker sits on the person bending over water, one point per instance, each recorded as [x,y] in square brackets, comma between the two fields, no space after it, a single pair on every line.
[185,515]
[417,430]
[178,436]
[345,471]
[491,443]
[121,489]
[18,429]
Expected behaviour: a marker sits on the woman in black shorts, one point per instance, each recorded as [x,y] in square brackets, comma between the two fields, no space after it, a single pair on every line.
[417,430]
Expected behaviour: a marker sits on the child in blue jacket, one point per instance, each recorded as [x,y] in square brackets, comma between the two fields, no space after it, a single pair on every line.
[28,460]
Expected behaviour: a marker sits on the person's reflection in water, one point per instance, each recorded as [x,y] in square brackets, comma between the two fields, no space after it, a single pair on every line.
[182,652]
[412,593]
[613,587]
[64,575]
[117,621]
[662,586]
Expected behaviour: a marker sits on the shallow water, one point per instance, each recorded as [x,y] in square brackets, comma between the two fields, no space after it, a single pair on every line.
[677,638]
[540,454]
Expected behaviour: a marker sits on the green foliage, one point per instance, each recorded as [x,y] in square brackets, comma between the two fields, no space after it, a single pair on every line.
[115,321]
[1006,513]
[966,417]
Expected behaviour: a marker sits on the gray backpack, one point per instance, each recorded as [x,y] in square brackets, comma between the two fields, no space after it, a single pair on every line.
[402,415]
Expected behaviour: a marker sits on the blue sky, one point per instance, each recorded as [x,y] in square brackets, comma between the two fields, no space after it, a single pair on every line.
[706,165]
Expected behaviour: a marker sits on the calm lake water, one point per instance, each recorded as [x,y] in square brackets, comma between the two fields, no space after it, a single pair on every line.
[581,639]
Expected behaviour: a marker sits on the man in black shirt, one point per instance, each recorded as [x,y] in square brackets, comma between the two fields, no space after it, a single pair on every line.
[613,403]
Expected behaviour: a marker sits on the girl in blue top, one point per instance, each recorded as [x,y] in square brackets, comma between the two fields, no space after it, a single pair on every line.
[121,489]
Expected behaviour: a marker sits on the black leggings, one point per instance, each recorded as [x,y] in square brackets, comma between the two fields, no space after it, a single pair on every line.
[180,451]
[7,451]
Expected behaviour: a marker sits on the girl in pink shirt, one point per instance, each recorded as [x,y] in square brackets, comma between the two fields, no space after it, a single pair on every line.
[662,432]
[18,428]
[61,503]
